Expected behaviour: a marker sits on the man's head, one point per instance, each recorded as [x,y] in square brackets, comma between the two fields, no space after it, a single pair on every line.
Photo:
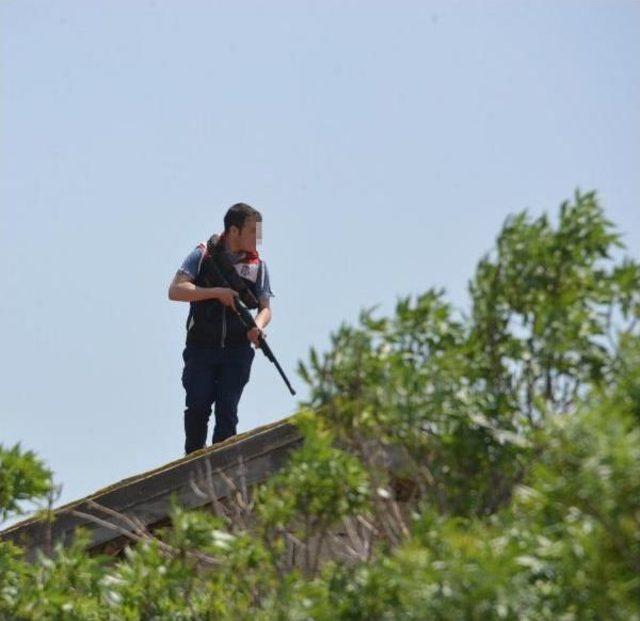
[243,228]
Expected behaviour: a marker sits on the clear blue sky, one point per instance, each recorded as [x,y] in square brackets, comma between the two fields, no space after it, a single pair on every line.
[384,142]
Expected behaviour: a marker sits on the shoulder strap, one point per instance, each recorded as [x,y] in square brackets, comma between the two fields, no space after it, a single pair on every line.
[201,246]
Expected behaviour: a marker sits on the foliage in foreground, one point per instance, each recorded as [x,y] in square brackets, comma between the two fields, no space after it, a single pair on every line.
[22,478]
[454,467]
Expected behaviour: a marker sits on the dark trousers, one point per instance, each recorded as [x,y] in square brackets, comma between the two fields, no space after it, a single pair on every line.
[213,375]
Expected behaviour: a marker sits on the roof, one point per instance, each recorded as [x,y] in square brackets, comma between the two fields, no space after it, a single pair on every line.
[147,497]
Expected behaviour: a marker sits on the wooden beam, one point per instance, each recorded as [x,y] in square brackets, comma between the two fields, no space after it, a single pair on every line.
[148,497]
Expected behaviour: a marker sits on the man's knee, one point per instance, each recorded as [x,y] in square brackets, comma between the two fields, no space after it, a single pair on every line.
[197,412]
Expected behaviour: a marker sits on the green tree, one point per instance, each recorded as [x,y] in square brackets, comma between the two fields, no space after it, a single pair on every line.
[460,395]
[23,477]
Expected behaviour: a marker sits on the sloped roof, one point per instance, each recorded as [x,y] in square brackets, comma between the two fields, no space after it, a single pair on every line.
[147,497]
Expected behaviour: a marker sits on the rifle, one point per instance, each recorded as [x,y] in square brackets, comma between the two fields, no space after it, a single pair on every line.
[245,295]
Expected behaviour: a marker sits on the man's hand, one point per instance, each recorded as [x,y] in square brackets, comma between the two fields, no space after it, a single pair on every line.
[254,334]
[227,296]
[183,289]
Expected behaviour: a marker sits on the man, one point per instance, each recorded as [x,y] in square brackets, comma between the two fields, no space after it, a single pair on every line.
[218,352]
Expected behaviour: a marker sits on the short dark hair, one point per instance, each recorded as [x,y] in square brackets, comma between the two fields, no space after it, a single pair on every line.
[238,213]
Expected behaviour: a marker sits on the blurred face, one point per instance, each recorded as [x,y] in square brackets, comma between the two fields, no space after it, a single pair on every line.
[248,237]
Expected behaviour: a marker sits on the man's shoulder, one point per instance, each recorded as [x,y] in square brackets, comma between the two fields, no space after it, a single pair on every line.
[199,250]
[193,261]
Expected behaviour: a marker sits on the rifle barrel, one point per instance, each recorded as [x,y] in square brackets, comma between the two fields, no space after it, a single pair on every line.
[249,322]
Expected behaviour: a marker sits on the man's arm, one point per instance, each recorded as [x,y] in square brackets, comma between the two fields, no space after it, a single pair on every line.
[264,313]
[262,321]
[182,289]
